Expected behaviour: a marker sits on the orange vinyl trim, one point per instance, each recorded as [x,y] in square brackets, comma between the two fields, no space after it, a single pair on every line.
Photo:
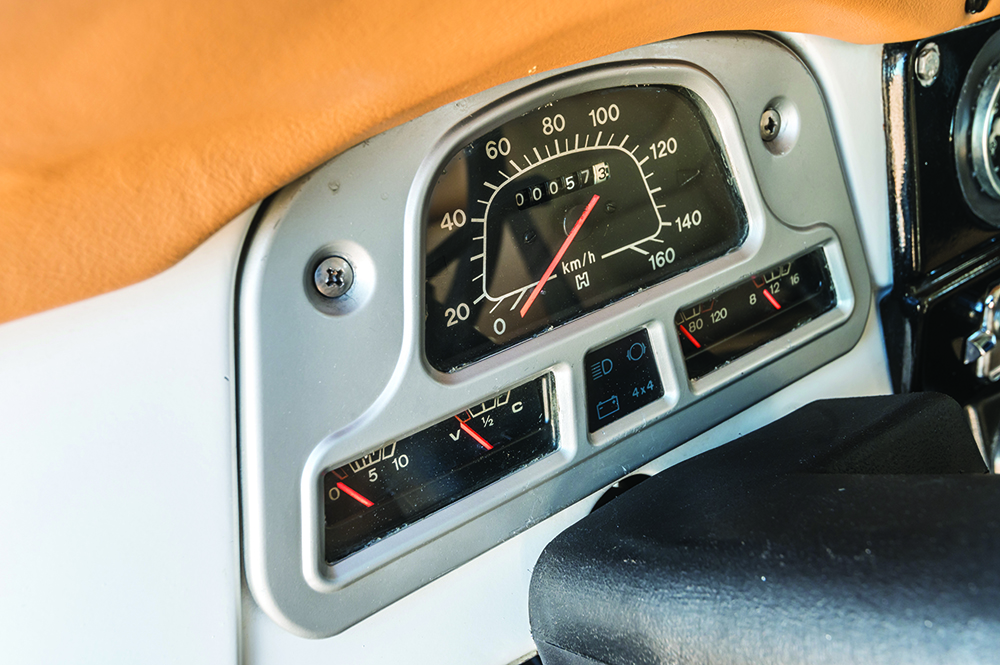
[130,131]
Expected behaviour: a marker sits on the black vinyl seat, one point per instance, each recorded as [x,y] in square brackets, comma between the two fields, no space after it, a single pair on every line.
[860,530]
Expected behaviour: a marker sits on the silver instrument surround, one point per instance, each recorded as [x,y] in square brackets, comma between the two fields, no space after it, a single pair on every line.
[320,384]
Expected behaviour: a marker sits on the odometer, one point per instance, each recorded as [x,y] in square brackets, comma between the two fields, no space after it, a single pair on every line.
[568,208]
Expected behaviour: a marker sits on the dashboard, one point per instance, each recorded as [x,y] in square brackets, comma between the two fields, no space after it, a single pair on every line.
[466,324]
[172,448]
[283,379]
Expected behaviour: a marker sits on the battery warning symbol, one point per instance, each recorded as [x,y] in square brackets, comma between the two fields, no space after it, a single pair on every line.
[607,407]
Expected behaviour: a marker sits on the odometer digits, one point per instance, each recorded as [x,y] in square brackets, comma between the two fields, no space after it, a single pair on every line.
[568,208]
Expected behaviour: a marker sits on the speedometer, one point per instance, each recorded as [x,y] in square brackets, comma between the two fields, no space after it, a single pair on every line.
[568,208]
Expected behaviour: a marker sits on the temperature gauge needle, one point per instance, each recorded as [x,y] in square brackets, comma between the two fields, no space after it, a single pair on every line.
[770,299]
[354,495]
[468,430]
[689,336]
[559,254]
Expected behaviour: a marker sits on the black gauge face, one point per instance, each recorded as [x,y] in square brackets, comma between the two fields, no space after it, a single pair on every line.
[405,480]
[748,315]
[567,209]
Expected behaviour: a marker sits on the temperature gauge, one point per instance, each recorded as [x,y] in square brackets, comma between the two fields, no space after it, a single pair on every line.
[406,480]
[748,315]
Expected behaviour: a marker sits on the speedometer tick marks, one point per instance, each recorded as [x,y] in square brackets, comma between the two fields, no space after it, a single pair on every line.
[519,296]
[530,212]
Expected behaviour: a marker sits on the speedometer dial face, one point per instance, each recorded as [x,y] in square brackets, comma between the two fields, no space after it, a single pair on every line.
[568,208]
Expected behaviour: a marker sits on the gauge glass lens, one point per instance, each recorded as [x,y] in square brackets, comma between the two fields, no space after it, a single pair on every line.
[569,208]
[752,313]
[405,480]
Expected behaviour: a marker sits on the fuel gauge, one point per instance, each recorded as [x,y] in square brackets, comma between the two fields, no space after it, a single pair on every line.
[752,313]
[403,481]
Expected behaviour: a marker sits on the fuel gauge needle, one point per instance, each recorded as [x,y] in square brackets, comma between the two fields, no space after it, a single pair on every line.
[468,430]
[559,254]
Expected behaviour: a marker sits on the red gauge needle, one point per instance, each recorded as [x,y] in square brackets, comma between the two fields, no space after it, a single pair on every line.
[559,254]
[690,337]
[354,495]
[468,430]
[770,299]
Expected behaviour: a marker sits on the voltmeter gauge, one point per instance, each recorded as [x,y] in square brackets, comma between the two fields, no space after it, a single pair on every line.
[568,208]
[403,481]
[742,318]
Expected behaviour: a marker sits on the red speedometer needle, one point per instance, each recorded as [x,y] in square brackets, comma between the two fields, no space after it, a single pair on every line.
[468,430]
[559,254]
[770,299]
[690,337]
[354,495]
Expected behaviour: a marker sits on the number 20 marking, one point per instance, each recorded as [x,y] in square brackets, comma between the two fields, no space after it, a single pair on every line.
[456,314]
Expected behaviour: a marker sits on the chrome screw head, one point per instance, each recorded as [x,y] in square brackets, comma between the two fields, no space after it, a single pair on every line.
[334,277]
[927,64]
[770,124]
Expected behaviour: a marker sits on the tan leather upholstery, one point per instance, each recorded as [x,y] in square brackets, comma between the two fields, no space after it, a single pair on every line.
[131,130]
